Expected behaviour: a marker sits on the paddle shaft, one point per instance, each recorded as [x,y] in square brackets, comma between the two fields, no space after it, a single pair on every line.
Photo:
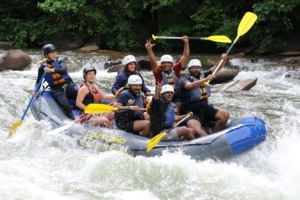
[246,23]
[177,38]
[179,122]
[32,98]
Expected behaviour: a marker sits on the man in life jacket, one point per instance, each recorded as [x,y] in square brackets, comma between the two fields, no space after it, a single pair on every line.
[195,93]
[132,99]
[58,79]
[163,116]
[88,93]
[168,72]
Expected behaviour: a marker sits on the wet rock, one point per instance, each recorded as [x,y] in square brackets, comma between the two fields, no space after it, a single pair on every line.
[225,75]
[235,86]
[291,60]
[14,60]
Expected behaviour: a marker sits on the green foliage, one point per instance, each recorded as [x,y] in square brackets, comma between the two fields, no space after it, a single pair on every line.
[125,25]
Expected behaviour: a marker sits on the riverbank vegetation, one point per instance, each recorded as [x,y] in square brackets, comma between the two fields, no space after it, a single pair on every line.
[125,25]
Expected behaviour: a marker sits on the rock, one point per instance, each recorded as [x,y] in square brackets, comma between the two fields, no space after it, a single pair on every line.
[235,86]
[5,44]
[114,68]
[291,60]
[89,48]
[14,60]
[225,75]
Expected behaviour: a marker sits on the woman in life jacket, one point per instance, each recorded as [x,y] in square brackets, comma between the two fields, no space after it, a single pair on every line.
[58,79]
[130,64]
[88,93]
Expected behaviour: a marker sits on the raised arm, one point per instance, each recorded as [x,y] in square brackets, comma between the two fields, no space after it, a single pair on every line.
[151,55]
[186,51]
[221,62]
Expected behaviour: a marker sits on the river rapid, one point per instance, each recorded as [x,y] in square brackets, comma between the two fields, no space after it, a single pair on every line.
[36,166]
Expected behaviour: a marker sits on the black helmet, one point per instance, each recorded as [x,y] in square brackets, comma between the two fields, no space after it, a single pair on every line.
[88,69]
[48,48]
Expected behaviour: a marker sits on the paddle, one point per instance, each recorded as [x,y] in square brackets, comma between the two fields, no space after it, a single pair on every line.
[246,23]
[60,129]
[214,38]
[15,126]
[156,139]
[95,108]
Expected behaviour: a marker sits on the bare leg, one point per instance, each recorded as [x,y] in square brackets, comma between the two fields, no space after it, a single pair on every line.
[142,125]
[187,133]
[222,117]
[195,125]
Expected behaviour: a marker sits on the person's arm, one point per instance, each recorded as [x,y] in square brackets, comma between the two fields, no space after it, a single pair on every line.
[63,66]
[223,60]
[186,51]
[188,85]
[157,91]
[149,46]
[39,76]
[103,95]
[82,92]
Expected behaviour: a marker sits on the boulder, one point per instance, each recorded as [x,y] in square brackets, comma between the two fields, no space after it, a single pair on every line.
[225,75]
[14,60]
[291,60]
[235,86]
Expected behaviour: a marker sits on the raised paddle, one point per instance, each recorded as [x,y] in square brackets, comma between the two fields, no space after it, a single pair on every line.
[214,38]
[246,23]
[15,126]
[95,108]
[156,139]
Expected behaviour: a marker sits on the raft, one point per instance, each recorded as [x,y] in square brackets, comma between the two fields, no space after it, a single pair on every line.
[239,136]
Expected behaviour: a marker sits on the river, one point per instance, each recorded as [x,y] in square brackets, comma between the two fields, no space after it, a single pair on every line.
[36,166]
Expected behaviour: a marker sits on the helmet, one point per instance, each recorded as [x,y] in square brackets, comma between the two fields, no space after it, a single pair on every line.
[166,58]
[194,62]
[167,88]
[48,48]
[88,69]
[128,59]
[134,80]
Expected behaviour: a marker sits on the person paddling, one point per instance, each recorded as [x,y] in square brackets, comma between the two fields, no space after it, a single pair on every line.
[58,79]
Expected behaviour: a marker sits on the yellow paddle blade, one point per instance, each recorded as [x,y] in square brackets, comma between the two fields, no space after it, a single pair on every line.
[95,108]
[154,37]
[14,128]
[154,141]
[246,23]
[218,38]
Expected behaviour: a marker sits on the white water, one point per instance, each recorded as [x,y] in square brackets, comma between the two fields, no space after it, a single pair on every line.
[34,165]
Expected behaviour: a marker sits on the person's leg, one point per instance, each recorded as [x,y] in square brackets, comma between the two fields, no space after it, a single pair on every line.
[196,125]
[62,100]
[221,117]
[185,132]
[101,120]
[71,91]
[142,125]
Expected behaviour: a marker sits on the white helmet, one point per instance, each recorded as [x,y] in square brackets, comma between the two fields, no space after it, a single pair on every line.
[134,80]
[128,59]
[194,62]
[166,58]
[167,88]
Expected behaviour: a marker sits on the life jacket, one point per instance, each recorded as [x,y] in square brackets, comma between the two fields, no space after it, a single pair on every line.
[170,115]
[200,93]
[91,97]
[171,79]
[54,78]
